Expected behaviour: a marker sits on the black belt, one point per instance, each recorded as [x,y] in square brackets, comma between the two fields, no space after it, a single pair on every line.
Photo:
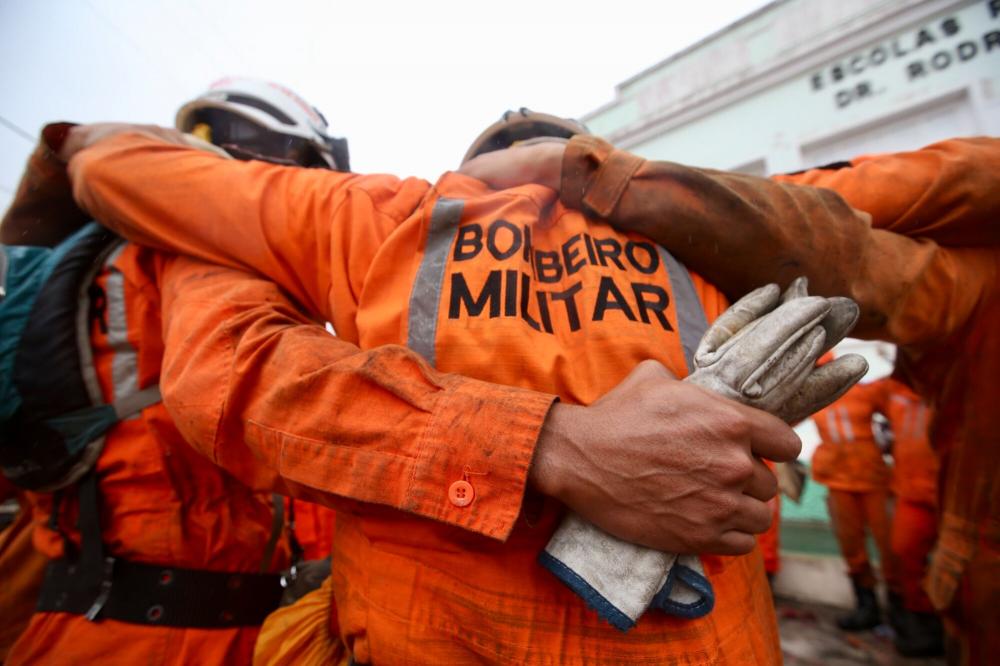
[159,595]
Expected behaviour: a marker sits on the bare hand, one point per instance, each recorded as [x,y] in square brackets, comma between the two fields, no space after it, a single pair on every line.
[82,136]
[539,162]
[665,464]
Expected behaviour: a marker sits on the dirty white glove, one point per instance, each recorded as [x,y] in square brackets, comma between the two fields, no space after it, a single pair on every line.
[761,352]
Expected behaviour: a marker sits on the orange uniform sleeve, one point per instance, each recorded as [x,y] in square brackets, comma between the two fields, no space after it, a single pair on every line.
[741,231]
[282,404]
[312,231]
[947,191]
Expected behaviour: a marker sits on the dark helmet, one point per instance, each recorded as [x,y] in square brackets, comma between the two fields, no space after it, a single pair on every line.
[522,125]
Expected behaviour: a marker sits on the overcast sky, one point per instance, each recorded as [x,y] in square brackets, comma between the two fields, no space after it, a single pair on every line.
[410,84]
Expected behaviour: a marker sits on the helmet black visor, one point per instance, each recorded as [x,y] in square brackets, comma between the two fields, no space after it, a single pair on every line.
[250,140]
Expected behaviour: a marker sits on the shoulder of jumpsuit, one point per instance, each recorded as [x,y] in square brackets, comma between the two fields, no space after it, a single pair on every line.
[455,185]
[394,197]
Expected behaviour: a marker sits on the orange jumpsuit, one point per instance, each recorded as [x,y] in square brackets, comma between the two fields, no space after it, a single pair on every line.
[770,540]
[435,548]
[849,463]
[161,501]
[923,261]
[314,526]
[21,570]
[914,483]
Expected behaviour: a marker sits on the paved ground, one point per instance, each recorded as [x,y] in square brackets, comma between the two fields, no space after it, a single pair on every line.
[809,637]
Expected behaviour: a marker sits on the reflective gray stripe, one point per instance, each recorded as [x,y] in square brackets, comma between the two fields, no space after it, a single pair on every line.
[3,274]
[132,404]
[917,417]
[831,425]
[425,298]
[691,318]
[845,419]
[87,368]
[124,362]
[921,422]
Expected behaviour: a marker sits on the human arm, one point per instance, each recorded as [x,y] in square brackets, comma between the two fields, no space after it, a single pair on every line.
[279,402]
[946,191]
[283,404]
[910,291]
[740,231]
[310,230]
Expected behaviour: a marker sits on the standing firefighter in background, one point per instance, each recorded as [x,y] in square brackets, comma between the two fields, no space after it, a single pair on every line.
[157,555]
[921,256]
[436,546]
[849,463]
[914,521]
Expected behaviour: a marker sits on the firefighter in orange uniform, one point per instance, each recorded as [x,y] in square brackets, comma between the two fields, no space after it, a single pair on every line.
[849,463]
[914,522]
[194,552]
[435,555]
[770,540]
[21,570]
[313,525]
[912,237]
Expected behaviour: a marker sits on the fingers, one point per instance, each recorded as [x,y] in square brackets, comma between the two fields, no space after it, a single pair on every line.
[770,437]
[761,348]
[824,385]
[753,516]
[790,367]
[799,288]
[763,485]
[736,537]
[734,542]
[752,306]
[839,321]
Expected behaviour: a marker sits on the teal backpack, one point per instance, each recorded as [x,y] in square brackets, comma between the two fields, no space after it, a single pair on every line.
[52,414]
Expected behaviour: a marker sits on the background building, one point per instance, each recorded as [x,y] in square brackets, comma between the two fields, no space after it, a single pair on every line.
[803,83]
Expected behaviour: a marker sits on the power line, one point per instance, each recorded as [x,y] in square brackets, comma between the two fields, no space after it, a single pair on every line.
[17,130]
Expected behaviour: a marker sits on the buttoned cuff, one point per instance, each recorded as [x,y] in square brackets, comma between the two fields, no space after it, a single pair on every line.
[467,467]
[473,458]
[595,175]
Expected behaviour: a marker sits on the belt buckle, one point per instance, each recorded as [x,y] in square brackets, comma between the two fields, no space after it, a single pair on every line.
[104,592]
[287,578]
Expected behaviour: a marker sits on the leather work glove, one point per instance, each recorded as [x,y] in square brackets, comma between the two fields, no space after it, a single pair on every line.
[792,478]
[761,352]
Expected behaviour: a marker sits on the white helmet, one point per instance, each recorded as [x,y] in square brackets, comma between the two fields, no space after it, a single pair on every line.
[260,118]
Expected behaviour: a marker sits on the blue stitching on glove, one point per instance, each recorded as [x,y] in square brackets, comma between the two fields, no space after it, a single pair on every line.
[582,588]
[694,580]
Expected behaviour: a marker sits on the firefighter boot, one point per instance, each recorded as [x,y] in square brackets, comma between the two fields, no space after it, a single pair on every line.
[896,615]
[920,635]
[866,615]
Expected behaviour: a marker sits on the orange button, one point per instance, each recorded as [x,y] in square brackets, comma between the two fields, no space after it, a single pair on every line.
[461,493]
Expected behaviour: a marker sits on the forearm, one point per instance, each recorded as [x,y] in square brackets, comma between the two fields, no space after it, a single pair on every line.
[272,398]
[740,232]
[948,192]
